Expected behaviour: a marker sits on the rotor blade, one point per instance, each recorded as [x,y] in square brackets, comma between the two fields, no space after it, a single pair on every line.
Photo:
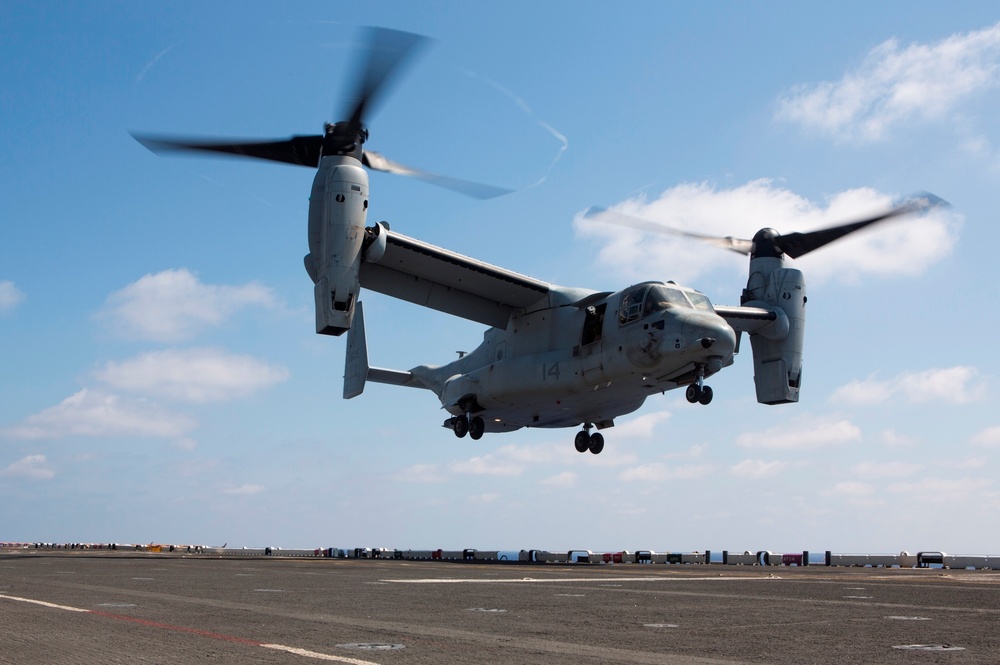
[300,150]
[798,244]
[738,245]
[388,50]
[378,162]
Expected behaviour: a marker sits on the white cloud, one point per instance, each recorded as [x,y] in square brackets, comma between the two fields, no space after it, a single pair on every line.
[989,437]
[802,434]
[185,443]
[489,497]
[694,452]
[486,465]
[32,466]
[968,463]
[951,385]
[940,491]
[885,469]
[897,440]
[616,453]
[243,490]
[514,459]
[192,375]
[658,471]
[533,454]
[421,473]
[855,493]
[904,246]
[561,480]
[641,427]
[896,84]
[174,306]
[10,296]
[851,488]
[95,413]
[757,469]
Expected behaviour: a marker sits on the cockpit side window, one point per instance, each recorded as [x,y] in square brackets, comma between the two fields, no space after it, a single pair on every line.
[631,307]
[700,301]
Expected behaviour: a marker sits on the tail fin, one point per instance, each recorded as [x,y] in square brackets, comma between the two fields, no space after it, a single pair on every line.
[356,365]
[356,369]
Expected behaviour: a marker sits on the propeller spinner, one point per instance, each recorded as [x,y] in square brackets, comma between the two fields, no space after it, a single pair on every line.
[388,51]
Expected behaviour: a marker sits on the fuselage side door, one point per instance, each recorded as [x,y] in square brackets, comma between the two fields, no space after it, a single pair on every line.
[590,343]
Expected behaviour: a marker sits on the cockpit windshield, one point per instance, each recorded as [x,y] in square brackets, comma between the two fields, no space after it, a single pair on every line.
[660,297]
[647,299]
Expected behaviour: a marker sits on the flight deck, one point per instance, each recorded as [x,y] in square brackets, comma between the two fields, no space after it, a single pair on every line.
[142,607]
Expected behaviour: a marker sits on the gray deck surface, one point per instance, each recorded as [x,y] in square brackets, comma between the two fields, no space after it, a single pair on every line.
[148,608]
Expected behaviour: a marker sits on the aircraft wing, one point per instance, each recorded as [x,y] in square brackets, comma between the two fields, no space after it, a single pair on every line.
[433,277]
[746,319]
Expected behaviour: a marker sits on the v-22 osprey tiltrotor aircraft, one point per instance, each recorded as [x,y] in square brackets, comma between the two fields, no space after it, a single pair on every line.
[553,356]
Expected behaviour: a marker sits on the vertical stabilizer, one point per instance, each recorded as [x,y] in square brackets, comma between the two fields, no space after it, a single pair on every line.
[356,364]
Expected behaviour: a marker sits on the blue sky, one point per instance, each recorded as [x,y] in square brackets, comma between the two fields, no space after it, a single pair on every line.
[159,375]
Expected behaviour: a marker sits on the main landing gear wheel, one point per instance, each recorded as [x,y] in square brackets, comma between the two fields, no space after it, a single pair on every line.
[700,394]
[585,441]
[476,428]
[460,425]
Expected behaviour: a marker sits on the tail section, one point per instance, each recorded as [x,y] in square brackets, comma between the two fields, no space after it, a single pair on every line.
[356,367]
[357,372]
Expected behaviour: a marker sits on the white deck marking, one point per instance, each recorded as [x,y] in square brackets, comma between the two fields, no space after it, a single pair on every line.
[44,604]
[240,640]
[318,656]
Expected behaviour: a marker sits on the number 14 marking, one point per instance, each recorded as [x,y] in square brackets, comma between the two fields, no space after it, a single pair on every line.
[550,371]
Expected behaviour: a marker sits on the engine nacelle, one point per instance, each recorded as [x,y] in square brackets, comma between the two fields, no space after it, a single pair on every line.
[777,349]
[338,208]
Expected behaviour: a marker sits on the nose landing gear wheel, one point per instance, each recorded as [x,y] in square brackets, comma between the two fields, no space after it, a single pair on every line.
[596,443]
[582,441]
[699,394]
[476,428]
[461,425]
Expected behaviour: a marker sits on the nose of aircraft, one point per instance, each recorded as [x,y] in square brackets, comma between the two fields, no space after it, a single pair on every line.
[712,332]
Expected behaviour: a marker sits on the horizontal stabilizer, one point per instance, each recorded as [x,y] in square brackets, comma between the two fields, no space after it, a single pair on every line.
[357,372]
[394,377]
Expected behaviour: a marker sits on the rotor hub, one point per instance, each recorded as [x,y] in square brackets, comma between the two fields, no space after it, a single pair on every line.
[344,138]
[765,245]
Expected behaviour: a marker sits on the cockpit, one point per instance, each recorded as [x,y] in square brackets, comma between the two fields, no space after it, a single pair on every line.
[646,299]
